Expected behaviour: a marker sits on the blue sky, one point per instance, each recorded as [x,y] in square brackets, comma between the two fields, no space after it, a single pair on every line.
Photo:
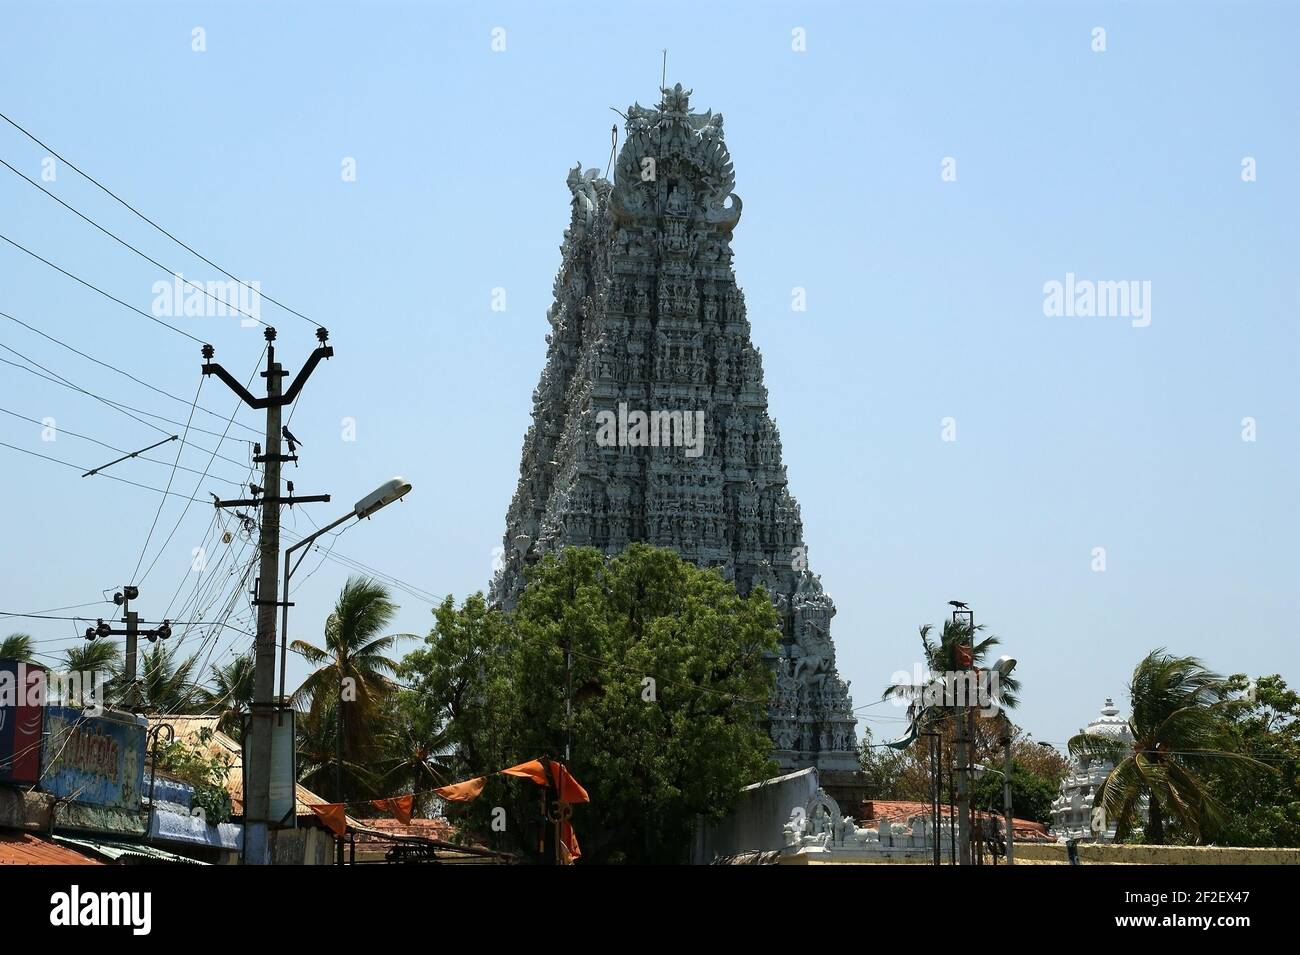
[925,297]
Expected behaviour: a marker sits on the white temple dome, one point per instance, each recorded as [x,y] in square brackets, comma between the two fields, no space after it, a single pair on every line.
[1110,723]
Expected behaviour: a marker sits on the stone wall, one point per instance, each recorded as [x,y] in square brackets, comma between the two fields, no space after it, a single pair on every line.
[1100,854]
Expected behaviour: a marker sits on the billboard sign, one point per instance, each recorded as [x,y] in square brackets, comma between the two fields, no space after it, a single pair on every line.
[96,760]
[283,813]
[22,720]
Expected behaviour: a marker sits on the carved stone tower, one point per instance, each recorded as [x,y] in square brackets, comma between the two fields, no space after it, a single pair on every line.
[650,420]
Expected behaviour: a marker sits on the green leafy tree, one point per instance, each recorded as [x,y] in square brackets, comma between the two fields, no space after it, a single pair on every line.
[1031,794]
[352,669]
[669,682]
[1263,721]
[1180,738]
[206,772]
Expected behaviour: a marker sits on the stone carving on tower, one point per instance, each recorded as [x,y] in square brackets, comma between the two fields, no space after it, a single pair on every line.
[647,317]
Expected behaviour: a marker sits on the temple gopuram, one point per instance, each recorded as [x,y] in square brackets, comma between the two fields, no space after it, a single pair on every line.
[647,316]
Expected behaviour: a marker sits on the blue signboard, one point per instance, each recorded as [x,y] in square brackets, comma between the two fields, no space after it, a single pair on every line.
[98,760]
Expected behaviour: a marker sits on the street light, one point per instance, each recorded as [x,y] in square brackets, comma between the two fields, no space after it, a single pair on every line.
[388,492]
[380,497]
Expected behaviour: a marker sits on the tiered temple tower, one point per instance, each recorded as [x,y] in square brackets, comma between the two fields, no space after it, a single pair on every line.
[647,318]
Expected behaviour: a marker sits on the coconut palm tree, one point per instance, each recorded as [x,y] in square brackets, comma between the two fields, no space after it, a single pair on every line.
[414,760]
[351,668]
[231,693]
[19,647]
[1178,726]
[163,683]
[945,656]
[94,656]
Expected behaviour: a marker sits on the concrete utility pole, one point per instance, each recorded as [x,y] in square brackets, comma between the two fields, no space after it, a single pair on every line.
[257,801]
[132,632]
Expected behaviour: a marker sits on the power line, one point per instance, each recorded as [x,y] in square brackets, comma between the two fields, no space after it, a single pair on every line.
[96,288]
[162,502]
[139,381]
[128,245]
[140,215]
[69,464]
[199,484]
[103,444]
[125,409]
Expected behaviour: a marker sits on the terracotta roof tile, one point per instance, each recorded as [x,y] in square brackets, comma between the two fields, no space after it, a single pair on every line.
[23,848]
[896,810]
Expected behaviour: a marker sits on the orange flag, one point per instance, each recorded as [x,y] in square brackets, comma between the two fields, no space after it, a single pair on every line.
[530,770]
[400,807]
[964,658]
[568,787]
[569,851]
[333,816]
[461,792]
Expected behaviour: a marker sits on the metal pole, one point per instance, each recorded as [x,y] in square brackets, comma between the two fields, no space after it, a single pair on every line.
[963,757]
[1006,790]
[259,758]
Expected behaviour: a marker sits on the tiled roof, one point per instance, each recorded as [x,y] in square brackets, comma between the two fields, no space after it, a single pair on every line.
[439,829]
[23,848]
[896,810]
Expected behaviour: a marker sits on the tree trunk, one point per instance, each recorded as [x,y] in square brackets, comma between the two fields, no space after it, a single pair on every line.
[1155,831]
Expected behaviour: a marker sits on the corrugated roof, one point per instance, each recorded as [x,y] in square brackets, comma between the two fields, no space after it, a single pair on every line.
[23,848]
[120,850]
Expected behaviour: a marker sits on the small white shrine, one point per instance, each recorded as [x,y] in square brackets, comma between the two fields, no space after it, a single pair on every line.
[1072,809]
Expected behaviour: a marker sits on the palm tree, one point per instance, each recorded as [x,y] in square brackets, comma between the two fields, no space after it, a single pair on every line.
[163,684]
[413,761]
[1177,725]
[95,656]
[947,656]
[352,669]
[232,693]
[19,647]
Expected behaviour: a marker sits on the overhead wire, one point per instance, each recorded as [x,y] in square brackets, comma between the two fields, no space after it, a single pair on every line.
[140,215]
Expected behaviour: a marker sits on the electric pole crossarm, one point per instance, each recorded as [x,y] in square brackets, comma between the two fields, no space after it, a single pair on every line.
[323,351]
[291,499]
[234,384]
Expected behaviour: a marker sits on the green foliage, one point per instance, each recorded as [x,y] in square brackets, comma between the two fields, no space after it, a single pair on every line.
[1262,721]
[18,647]
[348,693]
[206,773]
[670,684]
[1031,794]
[1181,738]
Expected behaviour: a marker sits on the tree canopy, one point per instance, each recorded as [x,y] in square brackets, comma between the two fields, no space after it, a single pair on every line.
[669,683]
